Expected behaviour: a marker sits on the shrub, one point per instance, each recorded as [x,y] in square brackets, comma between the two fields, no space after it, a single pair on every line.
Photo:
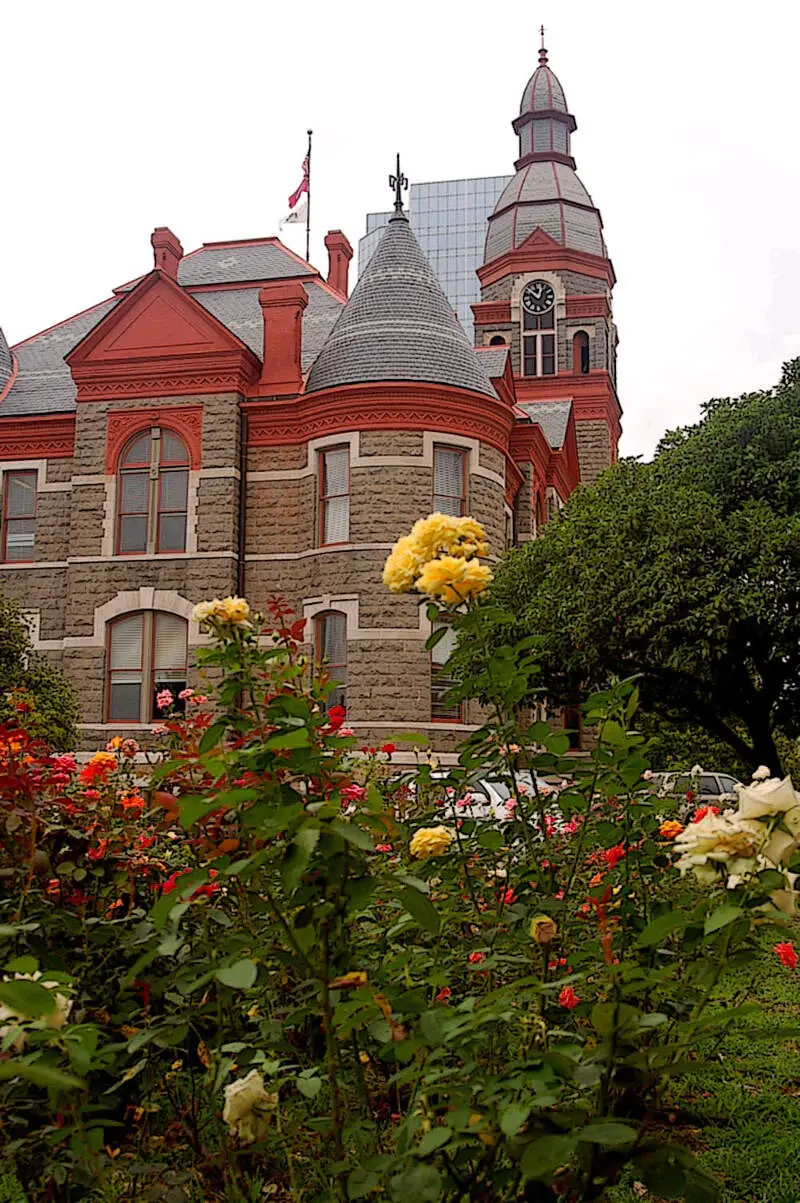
[271,965]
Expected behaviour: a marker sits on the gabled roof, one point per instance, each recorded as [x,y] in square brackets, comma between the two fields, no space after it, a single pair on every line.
[552,416]
[44,383]
[398,325]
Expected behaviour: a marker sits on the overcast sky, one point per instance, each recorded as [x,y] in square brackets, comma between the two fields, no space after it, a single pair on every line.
[193,115]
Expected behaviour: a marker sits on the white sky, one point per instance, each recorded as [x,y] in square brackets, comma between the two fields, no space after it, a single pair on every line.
[119,118]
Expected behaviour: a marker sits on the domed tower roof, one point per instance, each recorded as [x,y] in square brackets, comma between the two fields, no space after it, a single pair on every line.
[546,190]
[6,362]
[398,325]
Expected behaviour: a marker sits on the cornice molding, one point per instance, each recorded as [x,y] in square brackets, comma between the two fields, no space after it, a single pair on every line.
[380,406]
[48,436]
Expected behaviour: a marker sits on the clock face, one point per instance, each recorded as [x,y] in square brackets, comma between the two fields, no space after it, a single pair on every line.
[538,297]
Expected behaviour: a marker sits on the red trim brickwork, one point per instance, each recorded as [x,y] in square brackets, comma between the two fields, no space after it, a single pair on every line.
[123,424]
[48,436]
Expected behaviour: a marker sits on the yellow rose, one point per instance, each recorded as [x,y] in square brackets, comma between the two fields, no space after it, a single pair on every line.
[453,580]
[449,534]
[349,981]
[543,929]
[430,841]
[403,565]
[670,828]
[234,610]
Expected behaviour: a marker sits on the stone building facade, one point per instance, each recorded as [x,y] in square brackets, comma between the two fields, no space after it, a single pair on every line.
[232,422]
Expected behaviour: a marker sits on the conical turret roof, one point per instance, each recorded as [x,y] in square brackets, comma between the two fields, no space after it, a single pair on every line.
[6,361]
[398,325]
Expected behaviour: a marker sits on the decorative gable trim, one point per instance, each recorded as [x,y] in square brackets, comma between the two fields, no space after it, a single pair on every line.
[156,342]
[539,251]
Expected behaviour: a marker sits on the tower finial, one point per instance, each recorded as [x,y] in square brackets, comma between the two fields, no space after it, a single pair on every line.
[542,51]
[398,182]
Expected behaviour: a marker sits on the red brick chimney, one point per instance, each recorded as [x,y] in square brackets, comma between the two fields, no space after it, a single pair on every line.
[282,303]
[167,251]
[340,253]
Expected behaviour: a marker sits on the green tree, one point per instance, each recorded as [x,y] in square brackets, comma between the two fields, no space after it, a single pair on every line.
[28,678]
[686,571]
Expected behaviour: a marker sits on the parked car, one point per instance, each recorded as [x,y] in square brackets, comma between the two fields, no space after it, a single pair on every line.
[709,789]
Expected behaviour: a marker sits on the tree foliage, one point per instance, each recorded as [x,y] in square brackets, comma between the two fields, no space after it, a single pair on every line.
[685,570]
[30,680]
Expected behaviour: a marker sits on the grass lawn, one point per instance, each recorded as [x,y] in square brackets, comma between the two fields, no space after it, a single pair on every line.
[743,1121]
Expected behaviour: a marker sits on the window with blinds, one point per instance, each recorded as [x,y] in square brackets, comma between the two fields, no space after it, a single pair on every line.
[331,654]
[334,495]
[153,494]
[449,481]
[19,517]
[442,708]
[146,654]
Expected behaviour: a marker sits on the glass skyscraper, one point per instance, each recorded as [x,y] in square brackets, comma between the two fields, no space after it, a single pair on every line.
[449,219]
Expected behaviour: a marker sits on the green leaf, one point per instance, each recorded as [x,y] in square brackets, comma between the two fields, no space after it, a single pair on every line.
[28,1000]
[39,1074]
[423,1184]
[607,1132]
[771,879]
[353,834]
[309,1087]
[433,1140]
[661,927]
[212,736]
[360,1183]
[22,965]
[721,917]
[491,839]
[420,907]
[298,738]
[513,1118]
[241,975]
[545,1154]
[193,807]
[298,854]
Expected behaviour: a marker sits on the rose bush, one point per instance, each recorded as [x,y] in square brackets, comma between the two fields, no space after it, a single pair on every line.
[269,968]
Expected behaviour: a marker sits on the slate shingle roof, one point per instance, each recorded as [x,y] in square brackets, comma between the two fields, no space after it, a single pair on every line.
[493,360]
[6,362]
[44,383]
[398,325]
[543,91]
[547,194]
[552,416]
[239,310]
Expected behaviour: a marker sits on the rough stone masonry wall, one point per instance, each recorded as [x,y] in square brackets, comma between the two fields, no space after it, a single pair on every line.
[594,449]
[92,578]
[388,676]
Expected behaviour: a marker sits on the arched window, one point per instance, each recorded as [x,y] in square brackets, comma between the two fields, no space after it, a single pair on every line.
[331,653]
[580,353]
[497,340]
[146,654]
[153,494]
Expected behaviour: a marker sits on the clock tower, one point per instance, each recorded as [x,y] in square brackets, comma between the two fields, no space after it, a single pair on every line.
[547,280]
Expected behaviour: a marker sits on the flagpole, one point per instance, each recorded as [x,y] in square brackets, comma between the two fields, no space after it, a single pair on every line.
[308,203]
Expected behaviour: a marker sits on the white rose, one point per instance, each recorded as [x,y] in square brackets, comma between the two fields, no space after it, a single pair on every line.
[696,771]
[761,773]
[769,797]
[248,1108]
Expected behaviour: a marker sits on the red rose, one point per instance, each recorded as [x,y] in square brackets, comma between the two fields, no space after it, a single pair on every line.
[335,717]
[388,749]
[475,958]
[786,954]
[568,998]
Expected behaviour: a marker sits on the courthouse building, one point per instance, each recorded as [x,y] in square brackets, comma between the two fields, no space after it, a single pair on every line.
[233,422]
